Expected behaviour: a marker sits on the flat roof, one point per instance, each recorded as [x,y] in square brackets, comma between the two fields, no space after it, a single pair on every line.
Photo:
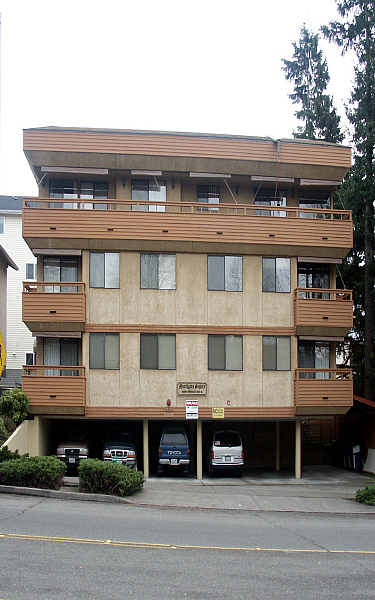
[10,203]
[183,134]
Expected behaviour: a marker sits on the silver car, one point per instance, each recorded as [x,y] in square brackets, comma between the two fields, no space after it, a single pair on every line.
[226,452]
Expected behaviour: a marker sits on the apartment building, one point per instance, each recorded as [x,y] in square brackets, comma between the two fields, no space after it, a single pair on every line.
[175,267]
[20,342]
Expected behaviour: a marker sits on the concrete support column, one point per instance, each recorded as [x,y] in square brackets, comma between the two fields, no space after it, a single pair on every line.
[199,450]
[277,457]
[146,468]
[298,450]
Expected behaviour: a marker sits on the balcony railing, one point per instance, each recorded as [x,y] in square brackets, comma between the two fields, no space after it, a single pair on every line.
[57,306]
[323,311]
[55,389]
[323,391]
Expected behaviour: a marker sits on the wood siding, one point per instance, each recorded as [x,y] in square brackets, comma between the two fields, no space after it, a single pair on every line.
[245,231]
[54,395]
[152,412]
[246,149]
[64,311]
[331,316]
[323,396]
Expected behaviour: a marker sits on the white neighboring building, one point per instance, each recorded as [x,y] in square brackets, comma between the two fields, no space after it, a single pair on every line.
[19,343]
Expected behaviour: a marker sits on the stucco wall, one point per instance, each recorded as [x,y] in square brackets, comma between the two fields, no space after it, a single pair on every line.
[191,303]
[131,385]
[31,437]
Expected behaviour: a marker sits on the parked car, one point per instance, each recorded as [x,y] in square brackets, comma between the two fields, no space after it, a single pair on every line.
[174,450]
[71,453]
[226,452]
[121,450]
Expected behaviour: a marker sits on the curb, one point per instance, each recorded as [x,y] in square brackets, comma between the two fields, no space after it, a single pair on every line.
[83,497]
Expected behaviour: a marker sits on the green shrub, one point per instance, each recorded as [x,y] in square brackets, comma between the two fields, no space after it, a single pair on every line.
[366,495]
[35,471]
[6,454]
[101,477]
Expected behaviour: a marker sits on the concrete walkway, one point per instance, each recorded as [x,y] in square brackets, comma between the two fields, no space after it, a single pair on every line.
[321,490]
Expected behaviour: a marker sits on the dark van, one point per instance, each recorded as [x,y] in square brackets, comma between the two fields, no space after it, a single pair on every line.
[174,450]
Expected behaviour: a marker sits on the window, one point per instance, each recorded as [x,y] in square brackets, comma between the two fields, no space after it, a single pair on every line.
[149,190]
[210,194]
[158,271]
[314,199]
[311,275]
[271,196]
[60,351]
[276,353]
[158,351]
[276,275]
[104,350]
[30,271]
[59,269]
[314,355]
[72,190]
[225,352]
[30,358]
[225,273]
[2,221]
[104,269]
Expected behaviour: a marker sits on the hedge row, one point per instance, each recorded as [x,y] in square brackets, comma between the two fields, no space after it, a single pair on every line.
[6,454]
[366,495]
[100,477]
[36,471]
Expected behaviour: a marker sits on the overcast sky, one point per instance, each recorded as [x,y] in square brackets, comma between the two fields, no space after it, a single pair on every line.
[197,65]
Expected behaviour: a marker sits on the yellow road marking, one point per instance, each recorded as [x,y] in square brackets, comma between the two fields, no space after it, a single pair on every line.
[47,538]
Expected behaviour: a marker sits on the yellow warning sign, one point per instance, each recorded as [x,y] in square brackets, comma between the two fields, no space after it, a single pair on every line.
[218,413]
[3,354]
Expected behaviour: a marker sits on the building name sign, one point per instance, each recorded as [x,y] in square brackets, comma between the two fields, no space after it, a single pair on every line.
[192,389]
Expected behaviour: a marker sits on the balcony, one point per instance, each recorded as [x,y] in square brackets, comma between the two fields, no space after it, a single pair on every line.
[55,390]
[187,227]
[50,306]
[323,311]
[323,391]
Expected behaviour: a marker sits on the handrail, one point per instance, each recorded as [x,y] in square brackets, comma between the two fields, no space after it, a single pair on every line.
[323,294]
[55,371]
[188,207]
[324,374]
[38,287]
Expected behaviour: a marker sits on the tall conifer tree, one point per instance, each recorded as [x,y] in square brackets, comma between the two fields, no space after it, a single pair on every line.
[308,72]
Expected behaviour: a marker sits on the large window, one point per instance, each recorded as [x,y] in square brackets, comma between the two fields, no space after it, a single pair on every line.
[314,199]
[74,190]
[149,190]
[276,353]
[225,273]
[311,275]
[104,350]
[60,351]
[105,269]
[59,269]
[158,351]
[225,352]
[270,196]
[2,221]
[314,355]
[158,271]
[276,275]
[208,193]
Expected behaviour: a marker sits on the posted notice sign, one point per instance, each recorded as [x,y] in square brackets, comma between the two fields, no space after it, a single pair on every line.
[191,407]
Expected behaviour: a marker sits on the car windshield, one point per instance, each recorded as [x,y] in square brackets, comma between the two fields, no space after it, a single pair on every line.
[227,438]
[175,438]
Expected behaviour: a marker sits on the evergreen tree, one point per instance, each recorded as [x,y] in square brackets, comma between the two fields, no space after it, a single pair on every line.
[308,72]
[356,31]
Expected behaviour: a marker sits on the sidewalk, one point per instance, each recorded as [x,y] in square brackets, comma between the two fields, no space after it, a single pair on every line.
[323,490]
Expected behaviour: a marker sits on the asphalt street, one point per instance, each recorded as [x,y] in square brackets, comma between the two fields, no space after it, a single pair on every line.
[54,549]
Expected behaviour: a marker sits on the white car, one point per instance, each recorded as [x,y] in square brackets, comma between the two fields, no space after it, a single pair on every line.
[226,452]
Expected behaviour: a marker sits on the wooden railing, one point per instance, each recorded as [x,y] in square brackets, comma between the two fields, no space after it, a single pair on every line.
[53,371]
[323,374]
[61,287]
[245,210]
[323,294]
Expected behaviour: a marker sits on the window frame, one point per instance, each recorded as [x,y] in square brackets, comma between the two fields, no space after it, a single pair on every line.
[104,368]
[225,336]
[277,337]
[30,364]
[158,254]
[224,289]
[2,224]
[157,335]
[33,265]
[98,287]
[275,258]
